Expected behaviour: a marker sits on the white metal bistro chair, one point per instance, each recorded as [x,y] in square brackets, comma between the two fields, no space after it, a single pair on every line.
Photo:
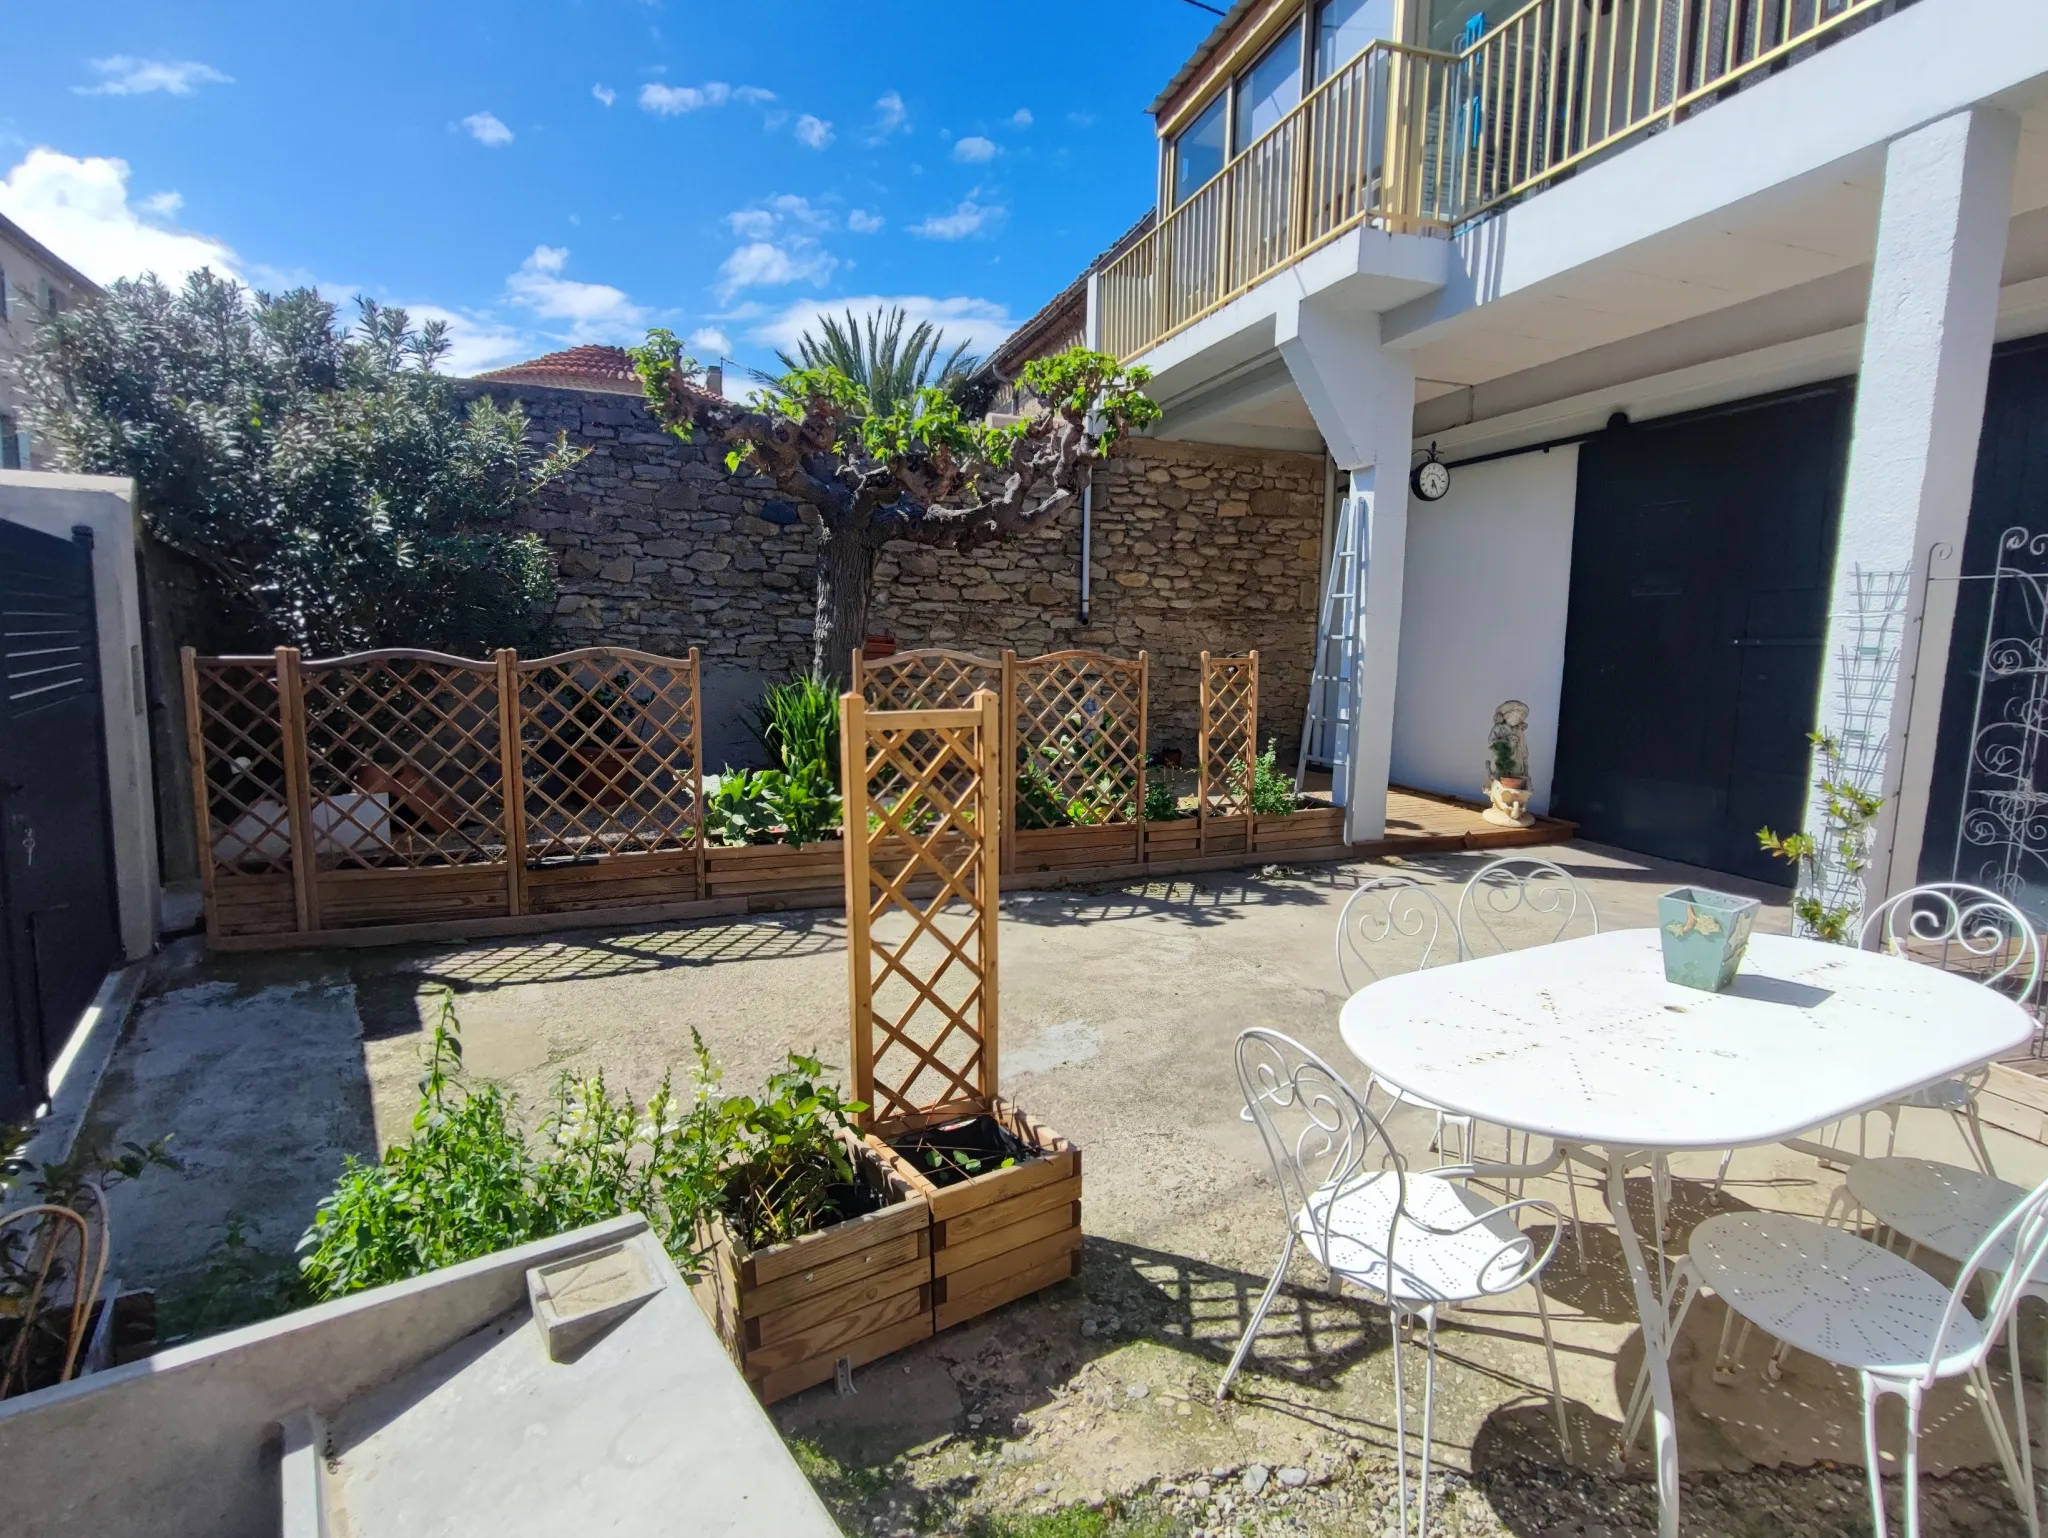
[1392,914]
[1520,901]
[1856,1305]
[1974,933]
[1511,904]
[1418,1242]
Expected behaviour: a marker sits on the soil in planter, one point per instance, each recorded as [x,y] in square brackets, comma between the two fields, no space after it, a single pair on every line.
[828,1202]
[959,1150]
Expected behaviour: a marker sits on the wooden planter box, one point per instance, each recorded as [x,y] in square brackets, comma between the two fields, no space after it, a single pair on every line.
[1002,1235]
[766,873]
[1180,839]
[1105,846]
[1317,827]
[789,1314]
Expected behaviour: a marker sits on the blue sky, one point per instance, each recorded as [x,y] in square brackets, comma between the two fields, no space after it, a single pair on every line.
[542,174]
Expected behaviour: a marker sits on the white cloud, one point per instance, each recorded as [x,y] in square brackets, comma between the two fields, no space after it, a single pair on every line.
[752,95]
[708,342]
[764,264]
[485,128]
[163,204]
[125,75]
[783,212]
[814,132]
[1081,119]
[605,94]
[890,114]
[1021,118]
[967,218]
[752,223]
[595,312]
[980,323]
[79,208]
[477,342]
[861,222]
[974,149]
[672,100]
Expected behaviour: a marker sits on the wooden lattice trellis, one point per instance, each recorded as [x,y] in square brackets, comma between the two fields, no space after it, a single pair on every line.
[1229,739]
[930,678]
[610,754]
[1078,735]
[921,788]
[406,787]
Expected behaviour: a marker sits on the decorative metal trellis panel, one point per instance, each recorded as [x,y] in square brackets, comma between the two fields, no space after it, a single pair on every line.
[1079,739]
[922,861]
[1229,742]
[2002,835]
[609,754]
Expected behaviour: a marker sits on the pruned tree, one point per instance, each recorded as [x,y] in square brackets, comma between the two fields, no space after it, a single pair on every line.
[920,470]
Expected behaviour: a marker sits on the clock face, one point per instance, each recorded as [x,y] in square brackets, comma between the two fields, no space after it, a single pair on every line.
[1432,479]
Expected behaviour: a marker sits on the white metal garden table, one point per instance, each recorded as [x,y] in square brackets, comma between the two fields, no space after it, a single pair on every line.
[1585,1043]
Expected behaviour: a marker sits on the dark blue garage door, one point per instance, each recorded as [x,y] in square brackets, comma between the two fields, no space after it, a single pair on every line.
[1702,551]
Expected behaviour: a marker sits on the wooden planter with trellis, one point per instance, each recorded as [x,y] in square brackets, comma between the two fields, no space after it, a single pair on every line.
[922,790]
[1077,724]
[791,1314]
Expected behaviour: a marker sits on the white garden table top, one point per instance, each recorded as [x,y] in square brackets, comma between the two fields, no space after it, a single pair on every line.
[1584,1041]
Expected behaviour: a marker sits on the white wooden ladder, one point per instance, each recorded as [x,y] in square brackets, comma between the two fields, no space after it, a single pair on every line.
[1333,686]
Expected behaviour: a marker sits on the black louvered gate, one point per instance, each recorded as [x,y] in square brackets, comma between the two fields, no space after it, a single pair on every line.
[58,931]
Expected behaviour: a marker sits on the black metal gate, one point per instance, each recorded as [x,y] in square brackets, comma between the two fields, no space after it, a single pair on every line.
[1701,552]
[58,929]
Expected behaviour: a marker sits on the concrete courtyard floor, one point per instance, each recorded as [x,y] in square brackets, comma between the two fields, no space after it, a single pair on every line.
[1119,1007]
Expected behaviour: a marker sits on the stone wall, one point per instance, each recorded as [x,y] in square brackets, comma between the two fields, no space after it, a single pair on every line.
[1195,547]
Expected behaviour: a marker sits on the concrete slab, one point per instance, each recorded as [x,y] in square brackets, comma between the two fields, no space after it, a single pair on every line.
[1119,1008]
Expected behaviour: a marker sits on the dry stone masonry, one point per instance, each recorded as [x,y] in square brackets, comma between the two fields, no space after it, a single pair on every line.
[659,547]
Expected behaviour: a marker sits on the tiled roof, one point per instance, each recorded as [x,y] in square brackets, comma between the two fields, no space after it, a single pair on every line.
[589,367]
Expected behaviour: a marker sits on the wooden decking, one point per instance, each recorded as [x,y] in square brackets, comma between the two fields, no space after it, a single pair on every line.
[1423,822]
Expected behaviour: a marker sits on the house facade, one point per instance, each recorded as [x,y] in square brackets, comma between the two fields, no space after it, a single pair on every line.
[34,282]
[1729,320]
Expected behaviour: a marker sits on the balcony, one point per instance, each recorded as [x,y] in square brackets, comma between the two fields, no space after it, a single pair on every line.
[1412,141]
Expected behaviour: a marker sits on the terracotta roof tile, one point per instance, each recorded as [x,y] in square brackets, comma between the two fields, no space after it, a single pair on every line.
[590,367]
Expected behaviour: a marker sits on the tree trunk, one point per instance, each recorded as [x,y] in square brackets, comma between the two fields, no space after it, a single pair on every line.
[846,579]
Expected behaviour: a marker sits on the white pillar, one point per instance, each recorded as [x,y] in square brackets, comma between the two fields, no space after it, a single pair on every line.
[1913,456]
[1363,400]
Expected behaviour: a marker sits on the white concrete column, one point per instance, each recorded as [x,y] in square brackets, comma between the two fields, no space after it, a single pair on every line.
[1919,410]
[1362,397]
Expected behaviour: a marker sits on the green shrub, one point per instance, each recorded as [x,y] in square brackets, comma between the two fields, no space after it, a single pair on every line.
[737,812]
[797,724]
[1038,799]
[1272,790]
[764,806]
[469,1182]
[1162,804]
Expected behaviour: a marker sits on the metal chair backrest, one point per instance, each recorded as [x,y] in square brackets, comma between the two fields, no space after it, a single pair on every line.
[1381,914]
[2015,1250]
[1963,929]
[1520,893]
[1318,1132]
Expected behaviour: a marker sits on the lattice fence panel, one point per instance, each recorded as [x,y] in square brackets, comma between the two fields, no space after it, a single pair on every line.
[921,789]
[402,761]
[238,746]
[931,678]
[1229,743]
[1080,739]
[610,753]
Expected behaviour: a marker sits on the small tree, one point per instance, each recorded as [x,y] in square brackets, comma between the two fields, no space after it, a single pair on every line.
[920,470]
[323,478]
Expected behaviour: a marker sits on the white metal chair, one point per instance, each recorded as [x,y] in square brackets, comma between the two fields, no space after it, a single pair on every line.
[1418,1242]
[1514,903]
[1972,932]
[1837,1296]
[1543,897]
[1381,914]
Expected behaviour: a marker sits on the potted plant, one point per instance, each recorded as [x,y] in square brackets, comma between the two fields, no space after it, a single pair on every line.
[1504,764]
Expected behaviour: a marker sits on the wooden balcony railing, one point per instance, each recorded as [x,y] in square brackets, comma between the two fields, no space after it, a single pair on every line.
[1408,140]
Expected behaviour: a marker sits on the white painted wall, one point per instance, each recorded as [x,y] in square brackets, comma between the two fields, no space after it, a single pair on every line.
[1488,576]
[55,505]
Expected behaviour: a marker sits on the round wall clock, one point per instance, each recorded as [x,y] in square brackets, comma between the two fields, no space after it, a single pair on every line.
[1430,479]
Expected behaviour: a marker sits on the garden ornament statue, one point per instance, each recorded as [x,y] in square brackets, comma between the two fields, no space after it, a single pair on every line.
[1507,767]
